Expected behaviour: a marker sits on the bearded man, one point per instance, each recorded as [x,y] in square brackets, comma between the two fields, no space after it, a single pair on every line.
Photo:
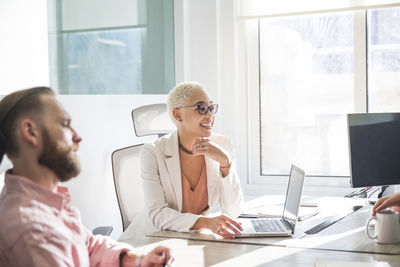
[39,226]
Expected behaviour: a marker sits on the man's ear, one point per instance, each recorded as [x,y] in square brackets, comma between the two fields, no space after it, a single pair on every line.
[176,113]
[29,131]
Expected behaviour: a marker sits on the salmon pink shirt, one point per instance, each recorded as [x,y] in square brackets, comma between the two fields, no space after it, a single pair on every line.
[39,227]
[195,200]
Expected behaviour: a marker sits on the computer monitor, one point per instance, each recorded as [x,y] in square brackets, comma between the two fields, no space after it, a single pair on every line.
[374,144]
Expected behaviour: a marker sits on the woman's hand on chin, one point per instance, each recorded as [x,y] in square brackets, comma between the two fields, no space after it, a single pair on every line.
[207,147]
[221,225]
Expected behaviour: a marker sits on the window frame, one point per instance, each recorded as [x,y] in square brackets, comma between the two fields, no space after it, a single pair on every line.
[315,185]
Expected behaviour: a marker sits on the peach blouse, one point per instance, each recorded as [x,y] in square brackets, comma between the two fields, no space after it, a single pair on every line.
[195,200]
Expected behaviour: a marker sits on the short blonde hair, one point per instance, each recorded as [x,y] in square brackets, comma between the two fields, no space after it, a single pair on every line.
[179,94]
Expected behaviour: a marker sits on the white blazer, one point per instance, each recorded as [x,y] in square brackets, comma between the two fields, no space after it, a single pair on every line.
[162,184]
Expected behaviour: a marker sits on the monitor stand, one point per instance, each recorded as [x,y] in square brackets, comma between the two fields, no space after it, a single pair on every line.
[386,190]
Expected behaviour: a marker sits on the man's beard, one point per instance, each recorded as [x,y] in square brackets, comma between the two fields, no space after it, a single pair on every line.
[59,158]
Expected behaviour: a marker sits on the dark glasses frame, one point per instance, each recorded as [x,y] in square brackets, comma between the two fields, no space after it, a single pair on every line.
[203,109]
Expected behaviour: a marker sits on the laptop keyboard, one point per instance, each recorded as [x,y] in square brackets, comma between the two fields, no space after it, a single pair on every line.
[267,225]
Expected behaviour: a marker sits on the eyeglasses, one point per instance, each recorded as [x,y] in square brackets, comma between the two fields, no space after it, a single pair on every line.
[203,108]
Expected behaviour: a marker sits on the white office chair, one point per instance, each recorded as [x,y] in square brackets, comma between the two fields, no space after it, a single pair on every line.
[147,120]
[4,166]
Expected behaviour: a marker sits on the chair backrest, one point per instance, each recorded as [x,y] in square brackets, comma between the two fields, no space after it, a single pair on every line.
[4,166]
[152,120]
[128,185]
[147,120]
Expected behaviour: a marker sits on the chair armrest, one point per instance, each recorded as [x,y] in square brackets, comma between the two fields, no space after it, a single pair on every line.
[103,230]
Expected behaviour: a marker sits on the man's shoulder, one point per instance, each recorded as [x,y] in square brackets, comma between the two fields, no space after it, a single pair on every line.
[20,216]
[29,226]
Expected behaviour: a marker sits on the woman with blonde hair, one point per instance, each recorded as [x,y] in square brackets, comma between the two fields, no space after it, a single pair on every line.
[190,173]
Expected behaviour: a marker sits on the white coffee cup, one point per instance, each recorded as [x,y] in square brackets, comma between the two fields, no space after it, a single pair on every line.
[387,227]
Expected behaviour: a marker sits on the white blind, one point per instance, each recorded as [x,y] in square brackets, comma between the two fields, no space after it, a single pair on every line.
[98,14]
[270,8]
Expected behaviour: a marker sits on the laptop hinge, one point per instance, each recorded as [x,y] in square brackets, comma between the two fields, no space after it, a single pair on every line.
[288,225]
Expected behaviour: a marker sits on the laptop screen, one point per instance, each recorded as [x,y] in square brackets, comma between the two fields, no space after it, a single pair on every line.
[293,195]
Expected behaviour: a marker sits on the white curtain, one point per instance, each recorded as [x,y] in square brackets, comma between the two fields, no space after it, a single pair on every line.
[269,8]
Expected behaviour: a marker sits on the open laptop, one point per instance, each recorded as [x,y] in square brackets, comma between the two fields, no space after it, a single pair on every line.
[279,226]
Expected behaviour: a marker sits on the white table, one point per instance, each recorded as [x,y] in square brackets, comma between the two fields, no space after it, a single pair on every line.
[344,241]
[206,253]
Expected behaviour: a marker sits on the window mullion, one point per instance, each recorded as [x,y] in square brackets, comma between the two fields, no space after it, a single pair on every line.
[360,61]
[253,85]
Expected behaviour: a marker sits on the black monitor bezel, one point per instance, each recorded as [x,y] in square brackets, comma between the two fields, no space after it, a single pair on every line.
[356,182]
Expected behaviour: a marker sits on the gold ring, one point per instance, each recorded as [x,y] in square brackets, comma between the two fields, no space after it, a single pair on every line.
[219,228]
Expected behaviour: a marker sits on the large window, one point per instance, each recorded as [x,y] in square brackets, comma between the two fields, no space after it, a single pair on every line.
[102,62]
[309,77]
[306,75]
[384,60]
[100,47]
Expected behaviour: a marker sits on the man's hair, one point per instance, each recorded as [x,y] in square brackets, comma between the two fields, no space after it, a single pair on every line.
[15,107]
[179,94]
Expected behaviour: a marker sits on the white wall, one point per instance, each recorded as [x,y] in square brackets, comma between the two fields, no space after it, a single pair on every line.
[23,46]
[104,123]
